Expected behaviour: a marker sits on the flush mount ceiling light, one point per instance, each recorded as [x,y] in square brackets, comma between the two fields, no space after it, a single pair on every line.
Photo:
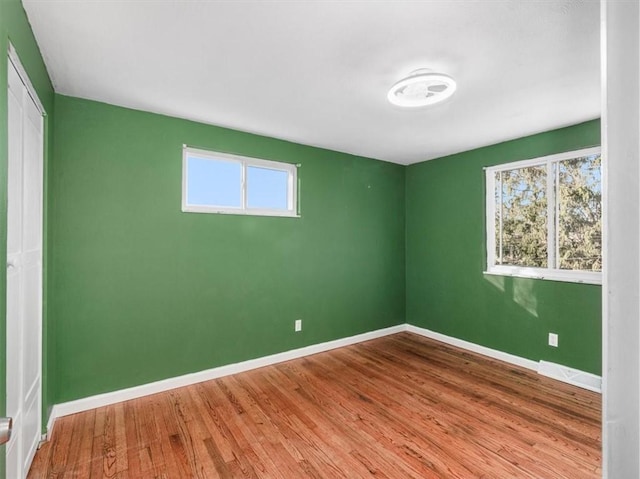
[422,88]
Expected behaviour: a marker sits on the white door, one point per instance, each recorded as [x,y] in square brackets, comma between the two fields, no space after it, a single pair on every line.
[24,275]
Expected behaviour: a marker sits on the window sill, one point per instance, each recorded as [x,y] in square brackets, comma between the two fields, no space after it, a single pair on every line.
[240,212]
[585,277]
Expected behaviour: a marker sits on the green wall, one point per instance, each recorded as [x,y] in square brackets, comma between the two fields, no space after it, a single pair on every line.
[15,28]
[447,291]
[141,291]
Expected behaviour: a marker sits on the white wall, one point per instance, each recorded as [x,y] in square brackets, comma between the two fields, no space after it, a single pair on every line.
[621,147]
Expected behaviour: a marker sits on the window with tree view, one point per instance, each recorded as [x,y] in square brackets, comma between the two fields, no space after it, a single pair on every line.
[544,217]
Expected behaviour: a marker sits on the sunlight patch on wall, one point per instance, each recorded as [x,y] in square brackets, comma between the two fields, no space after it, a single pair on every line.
[524,295]
[495,280]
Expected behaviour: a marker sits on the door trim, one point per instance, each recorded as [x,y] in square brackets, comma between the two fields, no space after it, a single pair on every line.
[22,73]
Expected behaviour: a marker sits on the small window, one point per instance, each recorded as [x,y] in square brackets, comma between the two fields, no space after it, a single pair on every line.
[222,183]
[544,217]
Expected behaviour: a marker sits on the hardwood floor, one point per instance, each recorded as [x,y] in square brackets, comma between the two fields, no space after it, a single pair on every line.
[397,407]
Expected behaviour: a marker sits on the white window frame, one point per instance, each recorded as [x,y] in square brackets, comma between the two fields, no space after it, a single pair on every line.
[550,273]
[245,162]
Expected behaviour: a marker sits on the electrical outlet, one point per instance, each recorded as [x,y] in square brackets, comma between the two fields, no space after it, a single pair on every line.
[298,325]
[553,340]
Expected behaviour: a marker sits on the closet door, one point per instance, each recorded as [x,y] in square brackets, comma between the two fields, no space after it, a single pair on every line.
[24,275]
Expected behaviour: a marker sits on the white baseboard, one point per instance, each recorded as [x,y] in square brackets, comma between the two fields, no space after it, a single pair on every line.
[50,423]
[476,348]
[562,373]
[92,402]
[572,376]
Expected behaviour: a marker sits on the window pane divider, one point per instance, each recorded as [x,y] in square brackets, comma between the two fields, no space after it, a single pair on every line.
[243,184]
[500,218]
[551,216]
[556,239]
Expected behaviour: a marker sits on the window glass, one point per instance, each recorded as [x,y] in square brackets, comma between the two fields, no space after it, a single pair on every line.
[214,182]
[521,235]
[267,188]
[580,214]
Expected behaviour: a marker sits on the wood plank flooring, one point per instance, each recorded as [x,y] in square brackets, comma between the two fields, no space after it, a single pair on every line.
[397,407]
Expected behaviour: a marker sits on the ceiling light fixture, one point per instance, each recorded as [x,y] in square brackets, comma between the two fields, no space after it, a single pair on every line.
[421,88]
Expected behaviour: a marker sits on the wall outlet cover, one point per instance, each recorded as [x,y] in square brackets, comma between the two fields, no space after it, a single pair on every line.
[553,340]
[298,325]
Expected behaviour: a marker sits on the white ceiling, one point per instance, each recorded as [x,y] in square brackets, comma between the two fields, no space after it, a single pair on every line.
[317,72]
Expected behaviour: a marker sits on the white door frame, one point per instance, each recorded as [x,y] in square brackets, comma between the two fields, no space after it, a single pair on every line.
[13,57]
[620,56]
